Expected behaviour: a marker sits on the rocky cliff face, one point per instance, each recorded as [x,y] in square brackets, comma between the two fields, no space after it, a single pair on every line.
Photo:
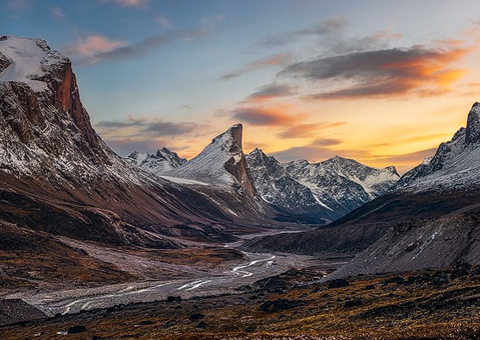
[275,185]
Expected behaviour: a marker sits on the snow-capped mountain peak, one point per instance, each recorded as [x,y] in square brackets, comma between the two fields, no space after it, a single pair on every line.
[137,158]
[162,161]
[27,60]
[221,163]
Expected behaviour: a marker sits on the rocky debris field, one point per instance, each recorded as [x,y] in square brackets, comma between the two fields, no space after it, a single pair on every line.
[441,304]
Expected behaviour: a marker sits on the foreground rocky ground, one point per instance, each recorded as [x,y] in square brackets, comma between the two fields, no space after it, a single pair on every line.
[297,304]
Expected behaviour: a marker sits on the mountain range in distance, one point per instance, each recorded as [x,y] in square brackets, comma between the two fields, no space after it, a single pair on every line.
[298,191]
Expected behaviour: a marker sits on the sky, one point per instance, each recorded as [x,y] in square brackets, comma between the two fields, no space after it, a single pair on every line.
[382,82]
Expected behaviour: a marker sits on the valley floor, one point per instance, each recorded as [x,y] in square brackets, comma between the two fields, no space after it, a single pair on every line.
[223,280]
[442,304]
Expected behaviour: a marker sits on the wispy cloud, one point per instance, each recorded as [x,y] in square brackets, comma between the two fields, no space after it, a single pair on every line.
[18,5]
[163,21]
[147,134]
[149,128]
[211,23]
[327,27]
[128,3]
[387,72]
[57,13]
[129,52]
[271,91]
[416,156]
[124,146]
[95,49]
[300,130]
[403,162]
[326,142]
[280,59]
[263,116]
[93,46]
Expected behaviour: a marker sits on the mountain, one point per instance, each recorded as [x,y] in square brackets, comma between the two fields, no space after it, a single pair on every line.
[58,176]
[455,165]
[222,163]
[324,191]
[343,184]
[430,220]
[292,200]
[160,162]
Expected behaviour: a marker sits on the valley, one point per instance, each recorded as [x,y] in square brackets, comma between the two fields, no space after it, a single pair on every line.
[185,280]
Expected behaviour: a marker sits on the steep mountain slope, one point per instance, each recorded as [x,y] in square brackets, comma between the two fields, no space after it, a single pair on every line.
[443,191]
[52,160]
[420,244]
[455,165]
[159,163]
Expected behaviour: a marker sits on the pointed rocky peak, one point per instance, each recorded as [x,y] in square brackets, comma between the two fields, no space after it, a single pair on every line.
[257,158]
[236,131]
[170,156]
[472,132]
[256,151]
[341,161]
[162,161]
[392,169]
[230,140]
[257,154]
[222,162]
[165,151]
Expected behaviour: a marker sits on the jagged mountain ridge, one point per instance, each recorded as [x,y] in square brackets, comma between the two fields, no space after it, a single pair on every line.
[343,183]
[328,189]
[160,162]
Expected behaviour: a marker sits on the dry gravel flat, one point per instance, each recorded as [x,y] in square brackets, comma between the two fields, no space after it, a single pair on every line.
[73,301]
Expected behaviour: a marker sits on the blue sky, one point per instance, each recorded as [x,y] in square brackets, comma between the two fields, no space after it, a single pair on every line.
[176,73]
